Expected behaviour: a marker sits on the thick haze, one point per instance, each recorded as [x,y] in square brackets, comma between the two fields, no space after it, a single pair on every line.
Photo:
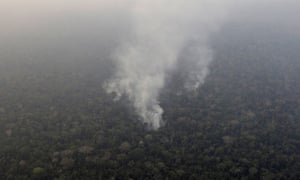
[144,39]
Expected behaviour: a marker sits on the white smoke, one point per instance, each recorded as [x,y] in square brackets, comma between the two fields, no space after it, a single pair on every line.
[162,28]
[194,64]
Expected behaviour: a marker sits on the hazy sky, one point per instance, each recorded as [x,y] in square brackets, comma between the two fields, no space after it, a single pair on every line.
[19,17]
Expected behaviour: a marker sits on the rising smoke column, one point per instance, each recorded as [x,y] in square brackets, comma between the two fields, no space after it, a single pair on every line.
[162,28]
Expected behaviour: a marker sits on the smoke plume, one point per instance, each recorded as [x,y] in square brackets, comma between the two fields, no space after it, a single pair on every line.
[162,34]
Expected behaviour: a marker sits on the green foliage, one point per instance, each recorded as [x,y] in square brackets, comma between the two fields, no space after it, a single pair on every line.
[38,173]
[243,123]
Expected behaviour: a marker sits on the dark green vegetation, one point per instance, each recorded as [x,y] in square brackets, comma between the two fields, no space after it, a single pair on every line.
[56,121]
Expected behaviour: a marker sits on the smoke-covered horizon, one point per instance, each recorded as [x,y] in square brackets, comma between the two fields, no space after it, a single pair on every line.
[144,40]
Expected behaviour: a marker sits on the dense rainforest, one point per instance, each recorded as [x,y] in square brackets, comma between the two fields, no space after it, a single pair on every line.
[57,122]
